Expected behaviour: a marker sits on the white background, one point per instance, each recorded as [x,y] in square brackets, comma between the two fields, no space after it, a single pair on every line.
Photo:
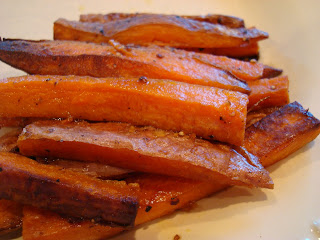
[287,211]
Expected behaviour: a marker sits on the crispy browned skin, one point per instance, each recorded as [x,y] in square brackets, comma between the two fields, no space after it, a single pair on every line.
[10,216]
[54,227]
[165,104]
[159,30]
[159,196]
[143,149]
[267,93]
[92,169]
[116,60]
[77,195]
[281,133]
[228,21]
[8,141]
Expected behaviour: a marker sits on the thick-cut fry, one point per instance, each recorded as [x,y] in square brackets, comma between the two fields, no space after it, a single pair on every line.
[206,111]
[10,216]
[97,170]
[143,149]
[54,227]
[248,50]
[228,21]
[270,92]
[159,30]
[281,133]
[8,141]
[116,60]
[77,195]
[159,196]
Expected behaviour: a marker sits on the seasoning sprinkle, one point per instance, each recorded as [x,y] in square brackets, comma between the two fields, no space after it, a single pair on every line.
[143,79]
[273,87]
[181,133]
[159,55]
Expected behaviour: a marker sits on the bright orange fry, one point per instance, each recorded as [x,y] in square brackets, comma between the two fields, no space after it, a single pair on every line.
[270,92]
[206,111]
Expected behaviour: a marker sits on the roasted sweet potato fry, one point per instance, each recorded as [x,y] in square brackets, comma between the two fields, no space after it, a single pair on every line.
[270,92]
[116,60]
[166,104]
[143,149]
[54,227]
[159,196]
[228,21]
[159,30]
[10,216]
[97,170]
[281,133]
[77,195]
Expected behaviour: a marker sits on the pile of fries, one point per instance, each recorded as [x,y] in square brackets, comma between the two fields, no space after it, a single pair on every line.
[126,118]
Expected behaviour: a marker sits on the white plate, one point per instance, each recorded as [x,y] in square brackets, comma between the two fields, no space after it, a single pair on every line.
[287,212]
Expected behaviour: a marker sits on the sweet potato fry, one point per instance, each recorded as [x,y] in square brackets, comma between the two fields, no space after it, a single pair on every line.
[166,104]
[143,149]
[228,21]
[270,92]
[89,168]
[10,216]
[116,60]
[77,195]
[281,133]
[54,227]
[159,196]
[159,30]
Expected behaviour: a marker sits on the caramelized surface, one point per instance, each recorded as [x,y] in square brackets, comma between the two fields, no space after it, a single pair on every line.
[165,104]
[159,30]
[281,133]
[10,216]
[77,195]
[8,141]
[142,149]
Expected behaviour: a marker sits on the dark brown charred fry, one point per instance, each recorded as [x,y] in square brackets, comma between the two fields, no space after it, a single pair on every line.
[77,195]
[281,133]
[143,149]
[165,104]
[156,192]
[159,30]
[257,115]
[228,21]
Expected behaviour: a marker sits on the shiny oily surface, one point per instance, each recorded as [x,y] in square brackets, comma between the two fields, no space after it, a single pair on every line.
[288,211]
